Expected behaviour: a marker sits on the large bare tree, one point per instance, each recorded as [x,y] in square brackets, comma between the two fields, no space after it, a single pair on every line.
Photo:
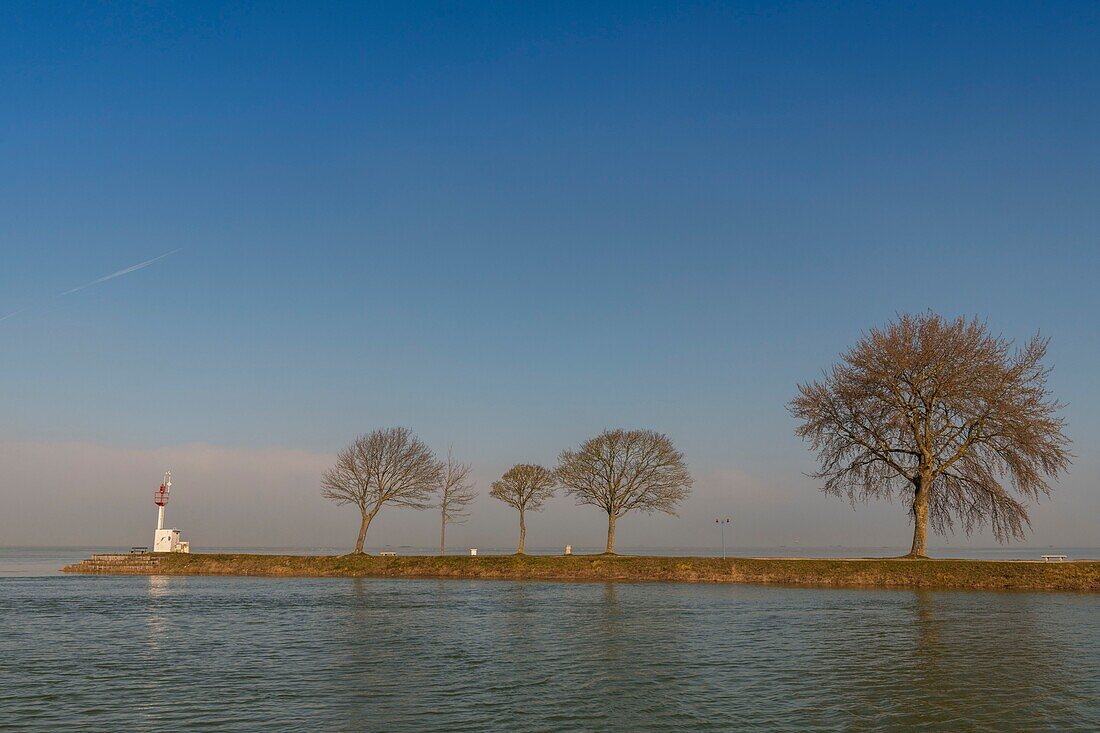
[390,466]
[525,487]
[944,415]
[622,470]
[455,492]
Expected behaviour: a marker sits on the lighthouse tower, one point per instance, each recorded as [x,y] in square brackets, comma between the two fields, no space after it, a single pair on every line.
[166,540]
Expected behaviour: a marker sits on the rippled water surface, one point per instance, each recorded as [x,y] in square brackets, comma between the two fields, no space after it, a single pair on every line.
[250,654]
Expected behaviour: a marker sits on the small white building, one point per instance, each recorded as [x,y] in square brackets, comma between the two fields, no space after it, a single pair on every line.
[168,540]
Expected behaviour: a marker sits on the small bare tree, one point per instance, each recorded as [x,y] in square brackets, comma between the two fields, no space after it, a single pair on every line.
[524,487]
[621,470]
[386,466]
[455,491]
[941,413]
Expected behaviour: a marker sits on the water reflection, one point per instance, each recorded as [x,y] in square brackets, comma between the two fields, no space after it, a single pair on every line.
[157,605]
[962,653]
[632,657]
[413,655]
[928,643]
[158,586]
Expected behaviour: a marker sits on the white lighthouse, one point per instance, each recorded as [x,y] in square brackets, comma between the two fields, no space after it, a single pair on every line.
[166,540]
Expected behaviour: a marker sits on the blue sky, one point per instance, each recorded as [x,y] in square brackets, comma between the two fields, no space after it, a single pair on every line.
[511,226]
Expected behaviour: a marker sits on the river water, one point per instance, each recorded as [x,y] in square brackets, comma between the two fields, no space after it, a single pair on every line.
[264,654]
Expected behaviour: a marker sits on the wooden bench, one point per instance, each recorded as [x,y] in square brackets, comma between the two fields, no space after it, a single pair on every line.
[139,550]
[1054,558]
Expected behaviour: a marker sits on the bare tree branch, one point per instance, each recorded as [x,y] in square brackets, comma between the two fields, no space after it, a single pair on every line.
[455,491]
[939,413]
[622,470]
[524,487]
[386,466]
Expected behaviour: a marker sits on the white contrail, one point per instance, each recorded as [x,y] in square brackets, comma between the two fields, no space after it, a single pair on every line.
[12,315]
[120,273]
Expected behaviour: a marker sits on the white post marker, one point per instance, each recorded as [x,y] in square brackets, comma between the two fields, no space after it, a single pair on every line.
[473,552]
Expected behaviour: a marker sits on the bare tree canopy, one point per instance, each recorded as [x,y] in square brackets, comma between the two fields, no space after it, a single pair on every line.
[622,470]
[455,491]
[386,466]
[943,414]
[525,487]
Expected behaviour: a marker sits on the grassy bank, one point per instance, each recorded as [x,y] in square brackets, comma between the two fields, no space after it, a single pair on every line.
[961,574]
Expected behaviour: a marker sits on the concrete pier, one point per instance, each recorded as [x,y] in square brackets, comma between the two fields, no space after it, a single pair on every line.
[115,564]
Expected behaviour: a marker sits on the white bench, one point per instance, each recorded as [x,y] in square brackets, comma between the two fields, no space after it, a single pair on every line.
[388,554]
[1054,558]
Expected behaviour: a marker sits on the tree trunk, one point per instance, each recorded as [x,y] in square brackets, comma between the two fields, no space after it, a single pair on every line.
[522,534]
[920,516]
[610,534]
[443,533]
[363,531]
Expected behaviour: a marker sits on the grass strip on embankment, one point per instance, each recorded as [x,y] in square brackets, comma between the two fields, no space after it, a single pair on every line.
[880,573]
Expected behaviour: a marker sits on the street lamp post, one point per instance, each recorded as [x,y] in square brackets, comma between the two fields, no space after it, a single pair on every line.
[722,522]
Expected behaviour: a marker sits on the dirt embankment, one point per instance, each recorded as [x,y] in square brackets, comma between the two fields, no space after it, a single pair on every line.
[893,573]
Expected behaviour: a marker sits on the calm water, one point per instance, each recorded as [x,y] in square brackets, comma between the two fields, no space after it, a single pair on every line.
[251,654]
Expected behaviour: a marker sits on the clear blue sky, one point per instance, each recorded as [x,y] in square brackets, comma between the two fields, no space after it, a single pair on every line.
[509,226]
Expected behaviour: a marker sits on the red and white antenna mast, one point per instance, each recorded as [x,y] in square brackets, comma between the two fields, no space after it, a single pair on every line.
[160,498]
